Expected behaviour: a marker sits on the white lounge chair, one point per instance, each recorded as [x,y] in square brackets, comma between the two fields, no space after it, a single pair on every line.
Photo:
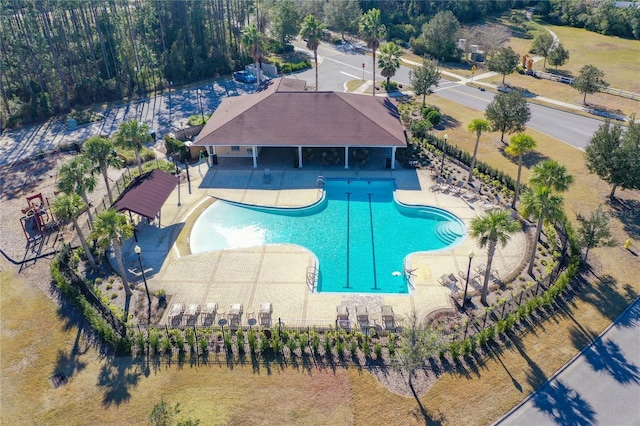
[264,314]
[235,313]
[388,317]
[175,314]
[191,314]
[209,312]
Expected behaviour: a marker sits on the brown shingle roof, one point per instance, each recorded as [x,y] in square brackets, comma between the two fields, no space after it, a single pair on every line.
[281,115]
[146,194]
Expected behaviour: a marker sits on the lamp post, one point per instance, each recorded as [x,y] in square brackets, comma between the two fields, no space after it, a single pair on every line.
[178,175]
[466,285]
[200,102]
[138,250]
[444,153]
[170,87]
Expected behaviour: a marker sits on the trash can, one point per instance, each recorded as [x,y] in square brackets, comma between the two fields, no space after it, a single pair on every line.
[388,163]
[214,159]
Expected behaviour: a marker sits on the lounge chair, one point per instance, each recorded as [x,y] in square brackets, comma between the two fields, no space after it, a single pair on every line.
[175,314]
[209,312]
[388,317]
[457,188]
[362,314]
[342,317]
[191,314]
[235,313]
[436,185]
[264,314]
[471,195]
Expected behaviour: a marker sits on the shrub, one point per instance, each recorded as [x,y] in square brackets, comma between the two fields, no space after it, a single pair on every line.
[434,117]
[191,338]
[419,128]
[377,349]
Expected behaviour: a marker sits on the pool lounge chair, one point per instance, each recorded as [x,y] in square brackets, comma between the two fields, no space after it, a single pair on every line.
[191,314]
[235,313]
[264,314]
[208,313]
[174,316]
[436,184]
[342,317]
[362,315]
[388,317]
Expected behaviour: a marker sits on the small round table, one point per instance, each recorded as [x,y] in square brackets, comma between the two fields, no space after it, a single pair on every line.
[251,313]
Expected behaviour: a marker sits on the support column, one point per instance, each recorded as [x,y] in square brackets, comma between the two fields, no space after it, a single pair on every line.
[254,153]
[393,158]
[299,157]
[346,157]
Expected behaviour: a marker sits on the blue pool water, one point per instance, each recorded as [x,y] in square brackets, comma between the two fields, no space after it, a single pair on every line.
[359,233]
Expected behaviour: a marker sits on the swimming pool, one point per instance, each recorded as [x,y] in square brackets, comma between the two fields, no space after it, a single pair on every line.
[359,233]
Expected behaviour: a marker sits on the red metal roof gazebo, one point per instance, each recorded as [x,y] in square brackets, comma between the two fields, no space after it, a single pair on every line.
[146,194]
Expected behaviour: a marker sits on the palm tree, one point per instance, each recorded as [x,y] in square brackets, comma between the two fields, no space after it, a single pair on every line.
[111,229]
[75,177]
[389,60]
[495,226]
[551,174]
[519,145]
[252,40]
[133,135]
[100,151]
[68,208]
[477,125]
[542,204]
[311,31]
[372,30]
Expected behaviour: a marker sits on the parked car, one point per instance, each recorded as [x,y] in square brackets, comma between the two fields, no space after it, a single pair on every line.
[244,76]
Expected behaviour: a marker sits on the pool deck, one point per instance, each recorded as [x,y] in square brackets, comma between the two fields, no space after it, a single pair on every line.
[277,274]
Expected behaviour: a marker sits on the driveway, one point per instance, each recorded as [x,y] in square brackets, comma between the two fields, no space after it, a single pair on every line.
[601,385]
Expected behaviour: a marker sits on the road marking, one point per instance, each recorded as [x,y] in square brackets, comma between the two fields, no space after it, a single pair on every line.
[350,75]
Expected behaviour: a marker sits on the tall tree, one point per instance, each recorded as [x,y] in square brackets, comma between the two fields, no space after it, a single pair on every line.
[542,204]
[503,62]
[519,145]
[496,226]
[285,20]
[424,77]
[418,343]
[508,113]
[558,56]
[389,60]
[590,80]
[594,231]
[68,208]
[133,135]
[342,15]
[253,41]
[552,174]
[477,126]
[372,30]
[440,35]
[76,177]
[615,156]
[311,32]
[111,229]
[100,151]
[543,45]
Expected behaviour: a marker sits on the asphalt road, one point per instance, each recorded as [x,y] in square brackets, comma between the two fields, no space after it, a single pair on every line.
[600,386]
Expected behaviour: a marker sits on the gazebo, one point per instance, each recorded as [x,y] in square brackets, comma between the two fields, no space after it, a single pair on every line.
[282,114]
[146,194]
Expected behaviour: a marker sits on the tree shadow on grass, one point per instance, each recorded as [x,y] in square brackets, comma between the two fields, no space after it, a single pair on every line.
[117,377]
[628,212]
[529,160]
[605,295]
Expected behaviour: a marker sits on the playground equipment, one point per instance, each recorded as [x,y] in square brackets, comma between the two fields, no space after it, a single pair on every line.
[37,219]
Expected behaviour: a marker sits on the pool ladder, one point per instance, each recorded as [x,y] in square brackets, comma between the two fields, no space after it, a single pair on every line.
[321,181]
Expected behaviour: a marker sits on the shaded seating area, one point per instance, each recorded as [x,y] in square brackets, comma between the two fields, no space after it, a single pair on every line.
[208,313]
[234,315]
[264,314]
[174,317]
[388,317]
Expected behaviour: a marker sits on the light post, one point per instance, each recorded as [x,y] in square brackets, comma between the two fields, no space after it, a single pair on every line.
[444,153]
[178,175]
[138,250]
[170,87]
[466,285]
[200,102]
[363,71]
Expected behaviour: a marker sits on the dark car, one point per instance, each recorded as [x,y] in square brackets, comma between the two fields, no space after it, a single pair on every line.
[244,76]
